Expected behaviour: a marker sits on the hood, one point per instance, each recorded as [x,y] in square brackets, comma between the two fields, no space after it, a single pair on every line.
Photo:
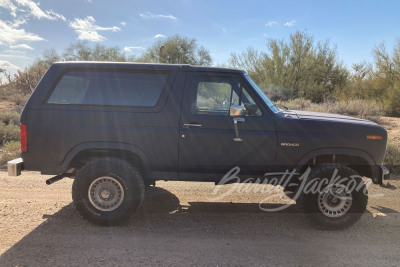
[308,115]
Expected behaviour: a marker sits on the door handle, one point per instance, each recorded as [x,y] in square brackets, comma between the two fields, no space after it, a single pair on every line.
[191,125]
[236,120]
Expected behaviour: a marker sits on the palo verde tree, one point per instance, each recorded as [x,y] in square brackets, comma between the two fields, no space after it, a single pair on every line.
[82,51]
[177,50]
[387,77]
[299,67]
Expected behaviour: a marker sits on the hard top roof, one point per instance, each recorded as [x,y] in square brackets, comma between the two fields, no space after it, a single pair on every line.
[154,66]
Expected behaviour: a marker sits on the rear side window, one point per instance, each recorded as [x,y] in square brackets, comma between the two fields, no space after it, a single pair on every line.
[112,88]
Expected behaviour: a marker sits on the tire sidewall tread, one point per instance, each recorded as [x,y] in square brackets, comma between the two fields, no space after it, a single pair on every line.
[308,203]
[130,179]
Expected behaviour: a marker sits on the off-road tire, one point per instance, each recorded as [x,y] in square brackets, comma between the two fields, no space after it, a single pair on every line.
[310,202]
[123,177]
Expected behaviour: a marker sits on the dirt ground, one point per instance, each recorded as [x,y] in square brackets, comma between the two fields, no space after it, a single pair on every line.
[180,225]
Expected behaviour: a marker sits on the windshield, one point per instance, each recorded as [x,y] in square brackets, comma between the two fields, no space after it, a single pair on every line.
[263,96]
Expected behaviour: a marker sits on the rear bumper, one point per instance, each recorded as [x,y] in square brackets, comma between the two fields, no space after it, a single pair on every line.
[15,167]
[384,173]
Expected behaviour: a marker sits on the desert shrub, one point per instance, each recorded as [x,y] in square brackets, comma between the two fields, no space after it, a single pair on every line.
[8,133]
[296,104]
[9,126]
[9,151]
[279,93]
[355,107]
[10,94]
[9,117]
[392,157]
[19,100]
[393,108]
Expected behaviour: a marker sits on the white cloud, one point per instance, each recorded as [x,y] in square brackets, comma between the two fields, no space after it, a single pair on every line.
[123,23]
[159,36]
[271,23]
[149,15]
[130,48]
[4,64]
[9,34]
[13,51]
[10,6]
[38,13]
[289,23]
[23,46]
[87,29]
[91,36]
[56,15]
[12,56]
[18,22]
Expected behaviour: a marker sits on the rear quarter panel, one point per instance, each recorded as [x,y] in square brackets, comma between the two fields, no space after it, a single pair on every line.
[55,130]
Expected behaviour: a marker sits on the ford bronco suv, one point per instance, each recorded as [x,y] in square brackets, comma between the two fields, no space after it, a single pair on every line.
[116,128]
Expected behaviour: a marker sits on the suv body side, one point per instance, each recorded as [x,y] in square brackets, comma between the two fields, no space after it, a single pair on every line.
[164,144]
[59,133]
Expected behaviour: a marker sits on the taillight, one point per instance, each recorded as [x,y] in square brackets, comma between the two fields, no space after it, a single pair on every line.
[24,138]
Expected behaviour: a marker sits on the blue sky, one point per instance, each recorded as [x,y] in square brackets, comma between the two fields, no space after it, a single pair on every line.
[27,27]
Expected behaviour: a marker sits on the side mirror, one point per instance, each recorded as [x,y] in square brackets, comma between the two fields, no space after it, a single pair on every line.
[236,111]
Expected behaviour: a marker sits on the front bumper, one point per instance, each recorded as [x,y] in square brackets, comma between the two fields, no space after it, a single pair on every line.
[15,167]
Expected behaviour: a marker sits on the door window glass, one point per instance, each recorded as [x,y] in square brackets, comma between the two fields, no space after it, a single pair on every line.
[215,95]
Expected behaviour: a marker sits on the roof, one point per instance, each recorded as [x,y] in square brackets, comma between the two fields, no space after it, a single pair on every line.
[155,66]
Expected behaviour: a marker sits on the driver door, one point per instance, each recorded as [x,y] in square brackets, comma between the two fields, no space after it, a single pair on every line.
[209,146]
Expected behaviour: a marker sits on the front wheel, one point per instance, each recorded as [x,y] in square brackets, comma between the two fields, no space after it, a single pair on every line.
[334,197]
[107,191]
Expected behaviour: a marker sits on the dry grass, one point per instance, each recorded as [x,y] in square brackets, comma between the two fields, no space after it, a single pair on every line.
[356,107]
[392,157]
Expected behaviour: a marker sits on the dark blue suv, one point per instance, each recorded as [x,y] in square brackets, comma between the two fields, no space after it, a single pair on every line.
[116,128]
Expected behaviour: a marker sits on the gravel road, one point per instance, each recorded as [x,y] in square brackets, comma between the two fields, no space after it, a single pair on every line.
[180,225]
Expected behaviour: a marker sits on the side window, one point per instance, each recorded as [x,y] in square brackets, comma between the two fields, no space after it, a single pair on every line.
[69,90]
[250,106]
[109,88]
[215,95]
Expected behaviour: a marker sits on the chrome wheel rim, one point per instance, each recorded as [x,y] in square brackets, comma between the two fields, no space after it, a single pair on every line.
[106,193]
[335,200]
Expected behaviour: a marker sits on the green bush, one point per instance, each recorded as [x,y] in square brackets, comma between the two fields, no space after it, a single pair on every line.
[394,105]
[9,126]
[392,157]
[9,151]
[9,133]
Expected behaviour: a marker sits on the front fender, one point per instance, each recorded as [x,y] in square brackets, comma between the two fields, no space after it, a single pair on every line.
[374,168]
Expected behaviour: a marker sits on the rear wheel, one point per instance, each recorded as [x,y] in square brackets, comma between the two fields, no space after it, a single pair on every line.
[107,191]
[334,197]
